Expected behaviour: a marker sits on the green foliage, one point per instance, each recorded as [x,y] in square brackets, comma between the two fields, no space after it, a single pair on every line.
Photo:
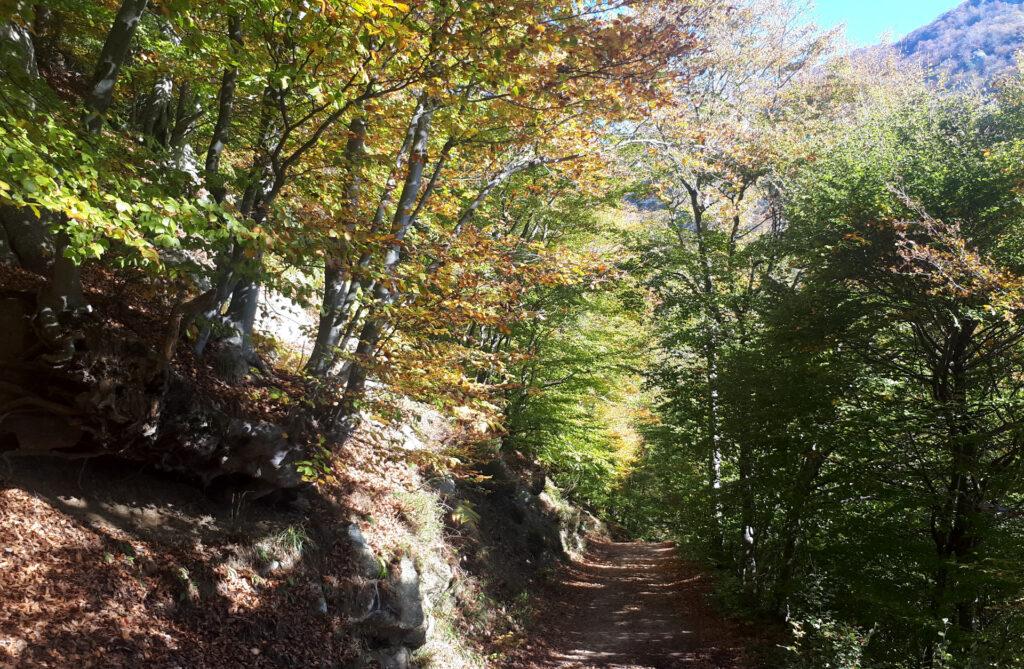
[825,643]
[465,514]
[100,204]
[576,402]
[318,467]
[855,370]
[797,346]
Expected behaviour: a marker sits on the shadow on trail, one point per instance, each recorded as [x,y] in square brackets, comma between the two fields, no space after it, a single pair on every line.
[636,606]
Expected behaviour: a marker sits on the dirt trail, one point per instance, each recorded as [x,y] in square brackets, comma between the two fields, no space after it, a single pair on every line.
[634,606]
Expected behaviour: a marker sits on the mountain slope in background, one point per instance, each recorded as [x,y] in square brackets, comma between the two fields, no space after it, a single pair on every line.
[974,42]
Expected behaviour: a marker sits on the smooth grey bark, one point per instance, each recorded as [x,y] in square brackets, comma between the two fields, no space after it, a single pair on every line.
[28,238]
[348,311]
[151,114]
[238,354]
[803,488]
[48,29]
[337,276]
[186,113]
[488,187]
[225,110]
[749,532]
[7,255]
[112,58]
[246,274]
[18,60]
[748,535]
[166,116]
[706,284]
[955,527]
[240,321]
[212,178]
[24,238]
[503,175]
[29,242]
[243,307]
[64,290]
[269,177]
[274,158]
[383,295]
[26,235]
[714,457]
[231,266]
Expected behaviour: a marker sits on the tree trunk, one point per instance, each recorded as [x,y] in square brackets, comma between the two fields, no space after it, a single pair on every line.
[225,110]
[955,528]
[383,295]
[358,284]
[810,468]
[336,277]
[714,466]
[64,291]
[714,322]
[243,308]
[254,206]
[30,244]
[48,29]
[151,114]
[18,55]
[211,169]
[112,58]
[748,537]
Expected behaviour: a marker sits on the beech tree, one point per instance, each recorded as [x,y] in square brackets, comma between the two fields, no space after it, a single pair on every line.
[710,156]
[723,287]
[354,144]
[867,429]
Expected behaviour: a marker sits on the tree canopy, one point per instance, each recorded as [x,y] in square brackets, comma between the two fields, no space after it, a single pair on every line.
[722,284]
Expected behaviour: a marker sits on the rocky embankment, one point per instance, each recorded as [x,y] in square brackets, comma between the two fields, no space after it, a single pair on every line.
[391,560]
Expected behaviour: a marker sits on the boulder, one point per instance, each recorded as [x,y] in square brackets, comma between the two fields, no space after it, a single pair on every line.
[436,577]
[396,617]
[409,601]
[232,359]
[261,451]
[410,440]
[445,485]
[319,599]
[362,600]
[367,564]
[39,433]
[224,452]
[387,658]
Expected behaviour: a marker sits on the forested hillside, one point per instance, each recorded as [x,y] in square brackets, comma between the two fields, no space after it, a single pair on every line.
[974,42]
[329,332]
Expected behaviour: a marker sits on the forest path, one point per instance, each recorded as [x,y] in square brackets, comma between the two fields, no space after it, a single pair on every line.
[634,606]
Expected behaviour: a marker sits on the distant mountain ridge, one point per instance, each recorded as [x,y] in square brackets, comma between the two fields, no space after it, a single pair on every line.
[974,42]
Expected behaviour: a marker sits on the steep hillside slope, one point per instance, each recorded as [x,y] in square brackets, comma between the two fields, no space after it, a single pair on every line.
[974,42]
[392,560]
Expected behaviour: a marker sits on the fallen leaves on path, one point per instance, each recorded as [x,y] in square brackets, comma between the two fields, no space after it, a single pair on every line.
[634,606]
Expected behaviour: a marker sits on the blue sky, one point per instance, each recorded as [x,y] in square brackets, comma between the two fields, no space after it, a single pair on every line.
[867,20]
